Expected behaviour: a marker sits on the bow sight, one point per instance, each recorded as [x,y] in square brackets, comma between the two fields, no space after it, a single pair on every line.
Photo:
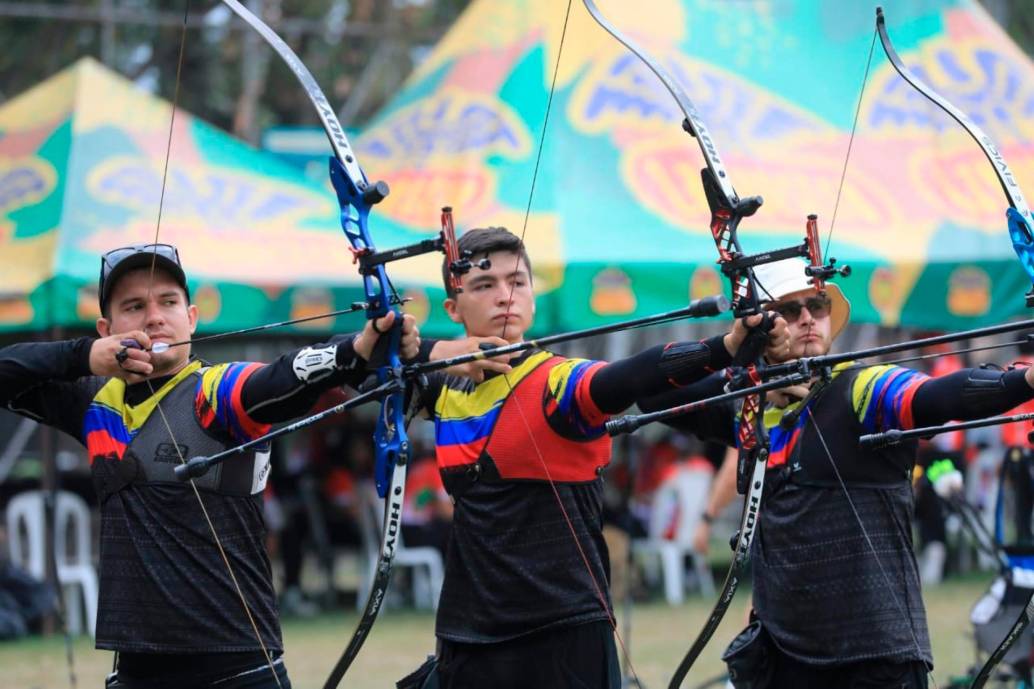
[459,263]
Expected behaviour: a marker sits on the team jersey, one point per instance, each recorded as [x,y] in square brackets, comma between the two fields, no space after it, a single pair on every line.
[110,423]
[881,399]
[164,587]
[508,450]
[835,579]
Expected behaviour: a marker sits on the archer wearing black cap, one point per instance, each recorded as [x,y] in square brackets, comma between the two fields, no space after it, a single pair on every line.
[118,262]
[168,604]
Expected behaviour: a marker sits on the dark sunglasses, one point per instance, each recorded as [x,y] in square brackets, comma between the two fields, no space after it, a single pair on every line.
[116,256]
[818,306]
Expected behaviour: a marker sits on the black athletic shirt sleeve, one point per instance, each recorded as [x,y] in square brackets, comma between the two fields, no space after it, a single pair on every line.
[615,386]
[278,391]
[49,382]
[715,422]
[620,384]
[969,394]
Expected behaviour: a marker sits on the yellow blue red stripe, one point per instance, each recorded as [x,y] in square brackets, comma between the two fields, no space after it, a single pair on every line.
[110,424]
[219,400]
[782,441]
[464,419]
[569,385]
[882,397]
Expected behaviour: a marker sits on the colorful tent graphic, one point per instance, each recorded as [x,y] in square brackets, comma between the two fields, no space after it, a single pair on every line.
[82,159]
[618,222]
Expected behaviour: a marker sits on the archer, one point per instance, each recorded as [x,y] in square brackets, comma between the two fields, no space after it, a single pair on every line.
[169,606]
[836,588]
[521,446]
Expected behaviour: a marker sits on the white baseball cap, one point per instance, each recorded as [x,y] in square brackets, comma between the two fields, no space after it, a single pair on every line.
[780,278]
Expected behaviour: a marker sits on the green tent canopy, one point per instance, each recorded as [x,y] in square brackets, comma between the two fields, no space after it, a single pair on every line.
[82,158]
[618,224]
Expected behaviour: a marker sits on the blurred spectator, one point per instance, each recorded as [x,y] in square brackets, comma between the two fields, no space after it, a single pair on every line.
[23,601]
[427,510]
[672,453]
[929,510]
[314,498]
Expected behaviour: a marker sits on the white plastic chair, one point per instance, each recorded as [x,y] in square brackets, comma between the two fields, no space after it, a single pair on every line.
[75,570]
[425,561]
[680,497]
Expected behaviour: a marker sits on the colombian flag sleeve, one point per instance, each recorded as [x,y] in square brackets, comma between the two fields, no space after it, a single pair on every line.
[218,401]
[882,397]
[570,398]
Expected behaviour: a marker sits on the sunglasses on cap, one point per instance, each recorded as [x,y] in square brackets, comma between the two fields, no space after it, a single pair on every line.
[117,256]
[819,306]
[117,262]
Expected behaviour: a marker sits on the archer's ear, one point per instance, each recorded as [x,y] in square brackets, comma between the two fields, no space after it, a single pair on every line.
[192,314]
[450,309]
[103,327]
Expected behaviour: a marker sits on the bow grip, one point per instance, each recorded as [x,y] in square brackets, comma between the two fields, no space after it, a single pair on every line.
[391,443]
[753,345]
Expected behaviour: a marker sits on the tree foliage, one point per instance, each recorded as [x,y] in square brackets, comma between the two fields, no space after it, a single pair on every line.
[228,76]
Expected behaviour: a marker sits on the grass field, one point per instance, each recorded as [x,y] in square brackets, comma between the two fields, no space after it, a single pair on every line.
[400,640]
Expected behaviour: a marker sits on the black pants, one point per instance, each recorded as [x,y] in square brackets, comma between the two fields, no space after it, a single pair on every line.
[582,657]
[868,674]
[251,677]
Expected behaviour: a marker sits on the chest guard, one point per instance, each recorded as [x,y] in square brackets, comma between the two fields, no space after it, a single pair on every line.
[150,454]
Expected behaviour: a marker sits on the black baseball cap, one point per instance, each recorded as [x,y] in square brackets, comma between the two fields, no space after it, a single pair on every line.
[118,262]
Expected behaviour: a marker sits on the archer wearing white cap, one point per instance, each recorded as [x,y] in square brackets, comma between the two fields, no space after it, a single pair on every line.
[836,590]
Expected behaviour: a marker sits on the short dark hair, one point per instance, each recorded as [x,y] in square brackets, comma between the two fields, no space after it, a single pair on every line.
[482,241]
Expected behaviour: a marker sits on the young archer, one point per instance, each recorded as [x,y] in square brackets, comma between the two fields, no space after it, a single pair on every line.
[521,447]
